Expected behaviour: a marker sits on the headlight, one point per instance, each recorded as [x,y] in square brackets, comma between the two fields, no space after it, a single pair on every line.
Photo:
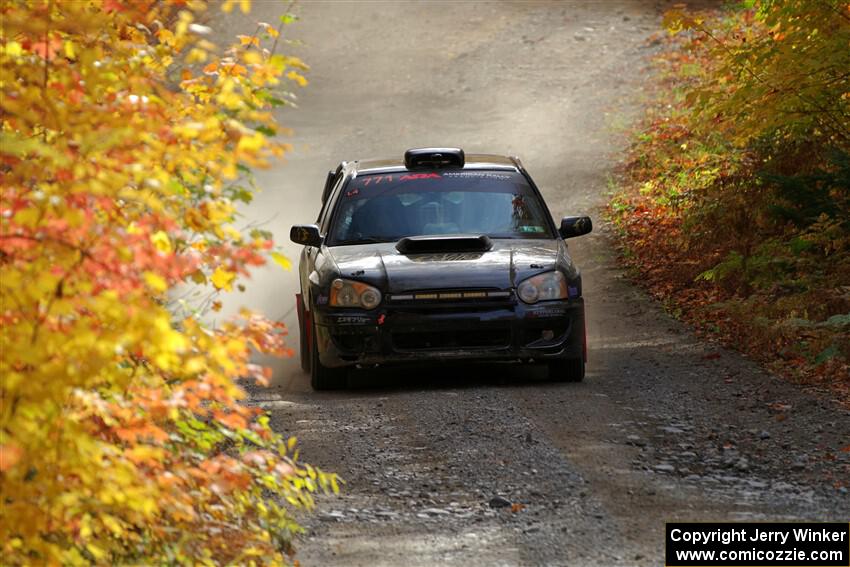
[543,287]
[347,293]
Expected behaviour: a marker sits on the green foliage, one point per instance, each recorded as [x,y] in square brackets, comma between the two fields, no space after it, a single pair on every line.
[804,198]
[737,186]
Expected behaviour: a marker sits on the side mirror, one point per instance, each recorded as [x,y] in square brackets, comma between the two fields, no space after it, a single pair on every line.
[575,226]
[305,234]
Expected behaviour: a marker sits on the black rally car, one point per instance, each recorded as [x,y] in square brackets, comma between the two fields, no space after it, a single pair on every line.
[439,256]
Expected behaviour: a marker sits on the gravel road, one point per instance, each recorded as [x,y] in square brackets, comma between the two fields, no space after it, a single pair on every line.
[491,465]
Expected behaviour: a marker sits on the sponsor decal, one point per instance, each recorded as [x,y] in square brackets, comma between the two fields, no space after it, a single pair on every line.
[417,176]
[353,320]
[547,312]
[478,174]
[376,180]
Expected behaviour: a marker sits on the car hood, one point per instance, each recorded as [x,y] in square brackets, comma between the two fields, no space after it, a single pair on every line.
[506,264]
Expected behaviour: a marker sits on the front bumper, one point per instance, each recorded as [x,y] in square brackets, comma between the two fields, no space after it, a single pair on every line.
[546,331]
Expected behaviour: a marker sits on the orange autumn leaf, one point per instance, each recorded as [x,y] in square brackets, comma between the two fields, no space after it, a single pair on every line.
[10,454]
[47,49]
[231,420]
[233,70]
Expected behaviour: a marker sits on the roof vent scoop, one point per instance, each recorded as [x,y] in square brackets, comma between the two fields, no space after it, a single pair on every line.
[444,243]
[433,157]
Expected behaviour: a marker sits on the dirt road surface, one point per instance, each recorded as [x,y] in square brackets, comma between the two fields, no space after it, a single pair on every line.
[665,426]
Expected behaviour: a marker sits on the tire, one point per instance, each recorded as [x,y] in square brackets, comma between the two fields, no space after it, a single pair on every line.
[567,370]
[322,377]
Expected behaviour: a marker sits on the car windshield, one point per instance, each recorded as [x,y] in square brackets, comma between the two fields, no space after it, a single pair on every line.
[388,207]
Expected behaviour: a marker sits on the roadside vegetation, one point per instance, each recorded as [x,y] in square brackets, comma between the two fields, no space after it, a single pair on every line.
[126,140]
[734,207]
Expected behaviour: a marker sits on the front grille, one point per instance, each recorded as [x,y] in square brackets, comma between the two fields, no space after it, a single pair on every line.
[449,296]
[451,339]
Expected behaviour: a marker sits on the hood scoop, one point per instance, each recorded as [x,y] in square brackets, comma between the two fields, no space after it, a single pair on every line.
[444,243]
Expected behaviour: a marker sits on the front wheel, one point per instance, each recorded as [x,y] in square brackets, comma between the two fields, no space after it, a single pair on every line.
[322,377]
[567,370]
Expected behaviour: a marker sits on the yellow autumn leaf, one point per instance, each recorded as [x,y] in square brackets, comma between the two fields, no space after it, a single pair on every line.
[161,241]
[155,281]
[196,56]
[223,279]
[70,52]
[252,58]
[282,260]
[85,527]
[98,552]
[251,143]
[28,217]
[232,233]
[297,77]
[218,212]
[166,36]
[12,48]
[113,525]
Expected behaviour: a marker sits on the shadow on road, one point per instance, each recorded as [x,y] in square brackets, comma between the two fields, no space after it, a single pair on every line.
[448,375]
